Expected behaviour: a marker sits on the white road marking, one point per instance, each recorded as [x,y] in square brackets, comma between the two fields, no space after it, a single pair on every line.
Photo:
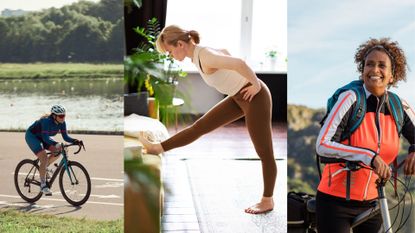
[107,179]
[105,196]
[63,200]
[110,185]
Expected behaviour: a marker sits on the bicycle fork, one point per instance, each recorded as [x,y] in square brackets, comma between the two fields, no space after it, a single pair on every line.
[70,173]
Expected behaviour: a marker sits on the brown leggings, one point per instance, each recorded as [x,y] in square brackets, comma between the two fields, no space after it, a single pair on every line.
[258,121]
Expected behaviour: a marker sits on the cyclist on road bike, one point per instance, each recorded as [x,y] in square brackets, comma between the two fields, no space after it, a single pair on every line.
[375,142]
[38,138]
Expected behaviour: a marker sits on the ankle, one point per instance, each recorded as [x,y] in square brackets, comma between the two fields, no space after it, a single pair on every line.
[160,147]
[267,199]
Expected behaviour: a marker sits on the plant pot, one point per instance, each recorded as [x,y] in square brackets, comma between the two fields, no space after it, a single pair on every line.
[153,108]
[164,93]
[273,63]
[139,211]
[136,103]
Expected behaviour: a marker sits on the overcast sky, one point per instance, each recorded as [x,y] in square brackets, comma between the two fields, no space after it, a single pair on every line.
[323,36]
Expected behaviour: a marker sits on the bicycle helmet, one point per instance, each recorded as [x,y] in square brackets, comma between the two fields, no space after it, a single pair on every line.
[58,110]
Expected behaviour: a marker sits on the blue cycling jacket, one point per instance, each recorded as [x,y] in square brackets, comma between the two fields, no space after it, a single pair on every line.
[46,127]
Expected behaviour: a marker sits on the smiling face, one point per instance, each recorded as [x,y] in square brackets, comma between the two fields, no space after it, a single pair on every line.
[178,52]
[377,72]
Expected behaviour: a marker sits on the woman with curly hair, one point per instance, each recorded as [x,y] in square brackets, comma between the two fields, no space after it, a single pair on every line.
[375,142]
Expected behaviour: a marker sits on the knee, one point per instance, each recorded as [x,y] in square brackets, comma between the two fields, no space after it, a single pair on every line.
[42,156]
[268,158]
[265,153]
[198,126]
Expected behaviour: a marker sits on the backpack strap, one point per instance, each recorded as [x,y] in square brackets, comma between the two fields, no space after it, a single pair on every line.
[358,113]
[397,110]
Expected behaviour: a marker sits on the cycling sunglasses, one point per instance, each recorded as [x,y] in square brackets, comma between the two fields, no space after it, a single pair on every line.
[61,116]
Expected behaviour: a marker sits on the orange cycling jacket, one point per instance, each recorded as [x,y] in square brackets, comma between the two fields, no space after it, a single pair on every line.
[376,135]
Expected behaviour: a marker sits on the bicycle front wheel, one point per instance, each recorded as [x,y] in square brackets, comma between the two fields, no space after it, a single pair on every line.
[27,180]
[75,183]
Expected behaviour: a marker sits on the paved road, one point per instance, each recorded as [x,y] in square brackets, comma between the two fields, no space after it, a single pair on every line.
[104,161]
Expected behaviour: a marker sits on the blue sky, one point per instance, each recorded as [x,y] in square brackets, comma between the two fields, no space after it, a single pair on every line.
[323,36]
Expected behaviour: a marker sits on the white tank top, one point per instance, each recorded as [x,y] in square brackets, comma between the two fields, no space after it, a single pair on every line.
[227,82]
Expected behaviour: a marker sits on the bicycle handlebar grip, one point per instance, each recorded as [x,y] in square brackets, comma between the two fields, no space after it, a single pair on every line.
[79,149]
[381,182]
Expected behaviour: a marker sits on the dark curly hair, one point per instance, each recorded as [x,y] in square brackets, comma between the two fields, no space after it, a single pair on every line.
[393,50]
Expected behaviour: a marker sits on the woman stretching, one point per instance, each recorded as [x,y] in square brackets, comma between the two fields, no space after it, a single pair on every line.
[247,97]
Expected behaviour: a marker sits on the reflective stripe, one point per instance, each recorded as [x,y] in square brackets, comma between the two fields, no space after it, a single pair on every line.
[367,185]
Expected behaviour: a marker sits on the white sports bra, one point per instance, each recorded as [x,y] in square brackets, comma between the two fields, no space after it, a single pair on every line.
[227,82]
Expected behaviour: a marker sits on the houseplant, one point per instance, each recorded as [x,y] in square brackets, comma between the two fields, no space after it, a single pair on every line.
[160,72]
[152,71]
[272,56]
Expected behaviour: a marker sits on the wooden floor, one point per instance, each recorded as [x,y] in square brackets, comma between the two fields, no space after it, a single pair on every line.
[230,142]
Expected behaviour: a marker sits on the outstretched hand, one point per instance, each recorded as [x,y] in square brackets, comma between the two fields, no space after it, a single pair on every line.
[250,92]
[381,168]
[409,168]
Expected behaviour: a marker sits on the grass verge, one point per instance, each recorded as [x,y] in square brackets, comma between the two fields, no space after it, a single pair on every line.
[12,221]
[57,70]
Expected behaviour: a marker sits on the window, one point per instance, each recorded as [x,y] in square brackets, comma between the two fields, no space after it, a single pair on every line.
[227,24]
[269,33]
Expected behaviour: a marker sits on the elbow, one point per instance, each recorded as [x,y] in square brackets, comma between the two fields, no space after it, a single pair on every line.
[319,147]
[240,64]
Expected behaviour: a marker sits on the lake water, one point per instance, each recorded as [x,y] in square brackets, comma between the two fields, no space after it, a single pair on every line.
[91,104]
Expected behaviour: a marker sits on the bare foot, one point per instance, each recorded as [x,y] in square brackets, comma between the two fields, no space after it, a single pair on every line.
[266,204]
[152,148]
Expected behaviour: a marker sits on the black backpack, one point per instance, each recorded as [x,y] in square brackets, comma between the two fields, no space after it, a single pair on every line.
[301,212]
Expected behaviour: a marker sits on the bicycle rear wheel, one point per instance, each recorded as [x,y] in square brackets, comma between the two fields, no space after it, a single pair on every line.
[27,180]
[75,183]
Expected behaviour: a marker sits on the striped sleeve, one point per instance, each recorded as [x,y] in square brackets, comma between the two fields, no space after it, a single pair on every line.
[325,144]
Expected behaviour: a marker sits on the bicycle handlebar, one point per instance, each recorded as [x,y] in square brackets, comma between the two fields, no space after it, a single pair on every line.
[353,166]
[327,160]
[80,145]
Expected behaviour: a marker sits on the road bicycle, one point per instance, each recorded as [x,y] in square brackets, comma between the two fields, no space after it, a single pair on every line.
[74,180]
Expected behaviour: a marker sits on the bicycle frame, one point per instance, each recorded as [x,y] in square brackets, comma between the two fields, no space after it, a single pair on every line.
[63,164]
